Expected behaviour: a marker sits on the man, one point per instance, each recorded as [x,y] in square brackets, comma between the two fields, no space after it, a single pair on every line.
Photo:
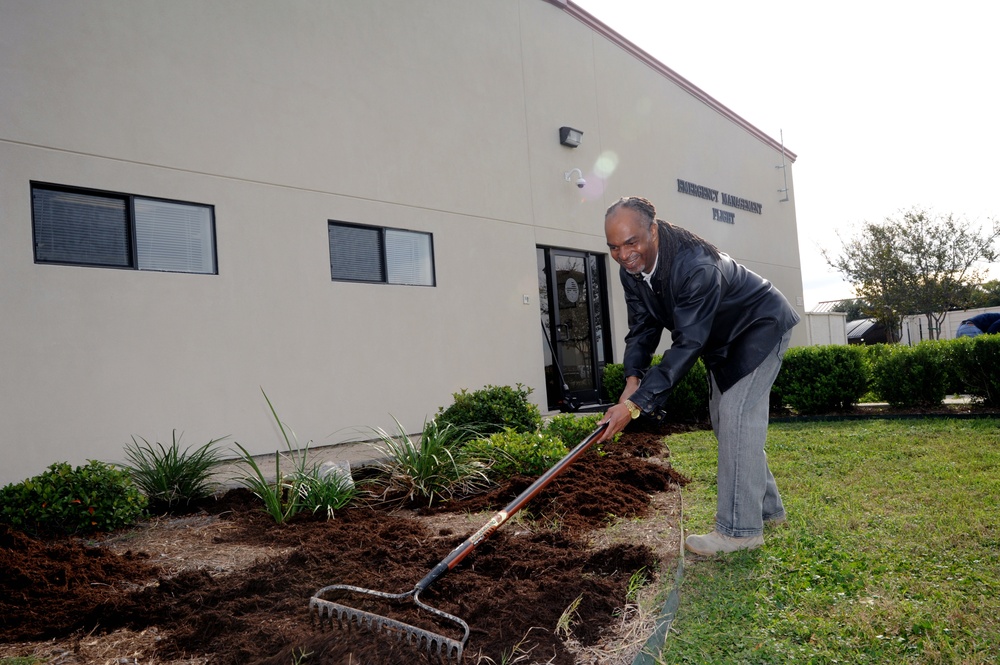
[737,322]
[987,322]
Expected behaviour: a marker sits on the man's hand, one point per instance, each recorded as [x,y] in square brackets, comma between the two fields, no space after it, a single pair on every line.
[617,418]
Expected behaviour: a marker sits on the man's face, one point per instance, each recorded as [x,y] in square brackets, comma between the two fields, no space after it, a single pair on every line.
[633,243]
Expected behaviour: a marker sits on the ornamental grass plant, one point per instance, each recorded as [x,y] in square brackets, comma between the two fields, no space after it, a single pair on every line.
[891,553]
[301,487]
[432,468]
[172,478]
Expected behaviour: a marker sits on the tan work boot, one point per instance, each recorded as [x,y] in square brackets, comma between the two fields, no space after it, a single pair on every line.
[717,543]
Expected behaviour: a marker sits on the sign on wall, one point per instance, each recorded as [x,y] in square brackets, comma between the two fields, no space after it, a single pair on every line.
[715,196]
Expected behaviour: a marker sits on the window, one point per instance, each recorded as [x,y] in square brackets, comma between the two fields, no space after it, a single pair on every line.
[374,254]
[81,227]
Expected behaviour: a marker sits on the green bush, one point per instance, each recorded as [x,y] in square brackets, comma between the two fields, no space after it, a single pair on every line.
[954,360]
[491,409]
[911,375]
[818,379]
[571,428]
[613,381]
[510,452]
[687,402]
[64,500]
[975,364]
[171,477]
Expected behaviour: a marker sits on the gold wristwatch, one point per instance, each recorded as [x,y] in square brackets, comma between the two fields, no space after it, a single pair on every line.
[632,408]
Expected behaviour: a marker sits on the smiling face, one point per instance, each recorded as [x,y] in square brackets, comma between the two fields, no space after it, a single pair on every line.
[633,241]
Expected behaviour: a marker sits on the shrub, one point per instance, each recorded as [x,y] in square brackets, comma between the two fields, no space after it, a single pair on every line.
[974,361]
[687,402]
[491,409]
[911,375]
[817,379]
[570,428]
[613,381]
[510,452]
[170,477]
[434,468]
[67,500]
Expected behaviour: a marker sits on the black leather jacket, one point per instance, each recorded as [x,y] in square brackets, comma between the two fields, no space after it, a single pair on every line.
[713,307]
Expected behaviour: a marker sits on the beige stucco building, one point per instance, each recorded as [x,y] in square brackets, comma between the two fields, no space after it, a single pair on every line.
[358,207]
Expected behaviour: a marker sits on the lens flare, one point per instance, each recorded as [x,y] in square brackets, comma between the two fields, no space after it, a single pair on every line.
[606,164]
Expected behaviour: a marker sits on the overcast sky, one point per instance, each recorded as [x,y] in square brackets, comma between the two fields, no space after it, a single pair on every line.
[888,105]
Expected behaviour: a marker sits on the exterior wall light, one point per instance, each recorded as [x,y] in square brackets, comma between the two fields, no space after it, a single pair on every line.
[570,137]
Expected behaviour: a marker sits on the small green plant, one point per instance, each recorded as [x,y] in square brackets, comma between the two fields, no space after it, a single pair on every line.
[283,496]
[435,467]
[572,428]
[67,500]
[510,452]
[491,409]
[517,653]
[301,657]
[171,477]
[564,626]
[638,580]
[326,491]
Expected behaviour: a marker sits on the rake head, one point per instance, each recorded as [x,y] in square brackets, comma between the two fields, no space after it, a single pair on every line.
[439,647]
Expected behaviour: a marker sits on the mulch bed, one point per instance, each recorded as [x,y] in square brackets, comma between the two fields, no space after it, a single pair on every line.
[512,590]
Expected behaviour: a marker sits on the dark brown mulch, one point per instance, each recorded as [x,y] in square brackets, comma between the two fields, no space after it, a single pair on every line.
[511,590]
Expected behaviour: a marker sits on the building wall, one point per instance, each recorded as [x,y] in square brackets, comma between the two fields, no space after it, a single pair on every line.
[915,328]
[429,116]
[825,328]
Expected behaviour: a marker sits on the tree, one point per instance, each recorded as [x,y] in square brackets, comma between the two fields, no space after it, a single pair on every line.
[876,271]
[944,253]
[987,294]
[853,308]
[919,264]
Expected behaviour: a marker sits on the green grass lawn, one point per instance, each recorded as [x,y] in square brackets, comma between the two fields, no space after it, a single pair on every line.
[891,553]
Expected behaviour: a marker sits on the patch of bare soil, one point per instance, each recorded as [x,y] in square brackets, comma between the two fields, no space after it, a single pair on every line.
[227,586]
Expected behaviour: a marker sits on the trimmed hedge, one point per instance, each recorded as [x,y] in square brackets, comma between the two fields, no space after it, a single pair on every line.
[824,379]
[819,379]
[974,362]
[911,376]
[688,401]
[491,409]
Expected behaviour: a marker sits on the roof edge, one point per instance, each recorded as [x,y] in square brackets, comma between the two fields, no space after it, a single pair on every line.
[598,26]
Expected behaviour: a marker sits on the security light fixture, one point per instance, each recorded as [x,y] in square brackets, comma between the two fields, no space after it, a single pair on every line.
[570,137]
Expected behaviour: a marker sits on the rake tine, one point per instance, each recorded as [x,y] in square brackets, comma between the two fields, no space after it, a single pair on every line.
[444,648]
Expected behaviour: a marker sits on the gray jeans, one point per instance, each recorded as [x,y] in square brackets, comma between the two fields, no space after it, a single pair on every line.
[748,495]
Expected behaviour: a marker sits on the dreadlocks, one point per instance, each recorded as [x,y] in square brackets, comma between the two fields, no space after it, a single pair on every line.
[676,237]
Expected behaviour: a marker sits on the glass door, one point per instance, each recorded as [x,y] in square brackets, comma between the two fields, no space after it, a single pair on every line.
[573,312]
